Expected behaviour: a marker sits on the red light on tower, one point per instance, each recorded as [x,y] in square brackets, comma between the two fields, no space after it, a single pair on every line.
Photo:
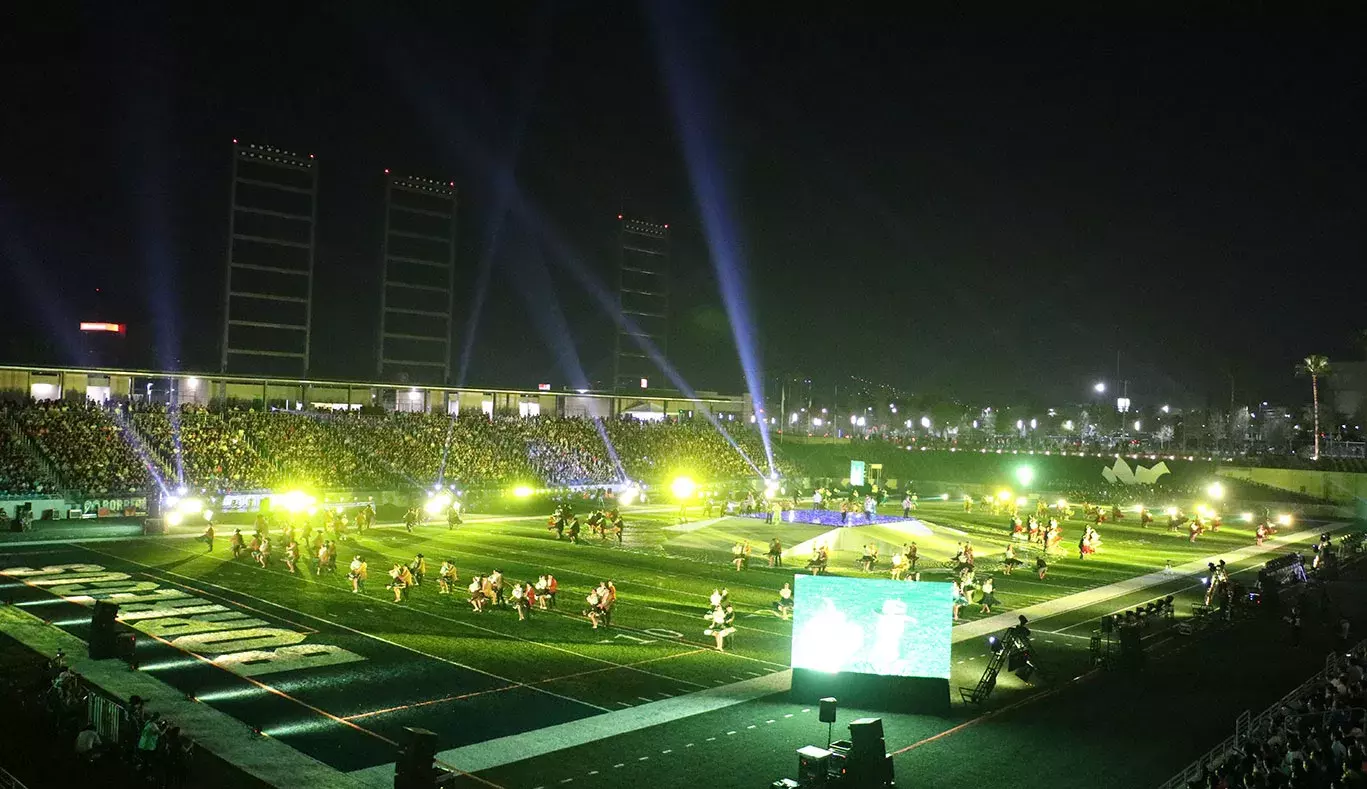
[619,216]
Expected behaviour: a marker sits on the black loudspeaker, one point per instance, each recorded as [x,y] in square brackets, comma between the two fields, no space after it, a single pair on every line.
[828,709]
[813,765]
[103,630]
[413,769]
[869,764]
[1018,659]
[154,506]
[1024,673]
[1107,623]
[866,734]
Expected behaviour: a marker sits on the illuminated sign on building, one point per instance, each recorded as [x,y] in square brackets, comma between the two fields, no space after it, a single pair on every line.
[99,326]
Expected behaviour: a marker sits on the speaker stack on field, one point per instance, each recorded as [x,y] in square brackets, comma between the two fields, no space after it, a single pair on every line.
[414,768]
[104,631]
[861,762]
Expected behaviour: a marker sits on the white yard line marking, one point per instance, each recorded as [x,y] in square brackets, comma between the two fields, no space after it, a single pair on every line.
[526,745]
[353,630]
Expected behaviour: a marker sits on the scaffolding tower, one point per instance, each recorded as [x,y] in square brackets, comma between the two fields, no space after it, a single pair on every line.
[268,279]
[419,277]
[643,298]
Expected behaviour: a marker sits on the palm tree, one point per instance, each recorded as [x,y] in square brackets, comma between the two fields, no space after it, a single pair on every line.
[1315,366]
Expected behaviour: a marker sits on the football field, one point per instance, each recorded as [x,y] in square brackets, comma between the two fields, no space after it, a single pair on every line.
[551,700]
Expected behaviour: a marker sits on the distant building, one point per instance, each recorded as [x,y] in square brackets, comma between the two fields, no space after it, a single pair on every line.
[1347,383]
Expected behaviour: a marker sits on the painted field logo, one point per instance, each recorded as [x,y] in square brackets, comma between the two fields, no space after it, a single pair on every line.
[242,644]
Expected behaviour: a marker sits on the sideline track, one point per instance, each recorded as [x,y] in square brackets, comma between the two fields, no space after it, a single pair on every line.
[540,742]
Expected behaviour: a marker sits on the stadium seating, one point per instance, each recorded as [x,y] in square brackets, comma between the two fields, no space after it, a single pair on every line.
[88,449]
[18,472]
[211,453]
[1311,738]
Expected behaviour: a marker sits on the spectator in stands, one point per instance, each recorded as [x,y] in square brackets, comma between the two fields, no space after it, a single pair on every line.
[88,743]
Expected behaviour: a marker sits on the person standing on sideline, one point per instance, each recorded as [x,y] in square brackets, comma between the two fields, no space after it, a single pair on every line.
[208,538]
[906,506]
[775,553]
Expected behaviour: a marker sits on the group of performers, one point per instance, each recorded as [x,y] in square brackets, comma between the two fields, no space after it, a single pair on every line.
[721,618]
[1034,529]
[1089,542]
[600,602]
[260,548]
[603,524]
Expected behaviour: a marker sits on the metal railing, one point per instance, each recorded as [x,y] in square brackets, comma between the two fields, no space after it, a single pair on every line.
[8,781]
[1246,724]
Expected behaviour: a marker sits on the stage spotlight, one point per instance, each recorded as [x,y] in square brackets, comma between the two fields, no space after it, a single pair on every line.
[522,491]
[437,504]
[1284,519]
[1215,490]
[683,487]
[174,518]
[994,644]
[1025,475]
[294,501]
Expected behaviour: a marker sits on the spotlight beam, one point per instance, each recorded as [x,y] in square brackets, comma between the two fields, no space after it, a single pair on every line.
[694,118]
[452,132]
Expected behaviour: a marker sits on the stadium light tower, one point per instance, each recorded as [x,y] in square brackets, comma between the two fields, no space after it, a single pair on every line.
[268,279]
[419,274]
[642,295]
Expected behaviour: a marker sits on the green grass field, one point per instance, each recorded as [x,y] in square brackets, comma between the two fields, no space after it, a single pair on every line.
[473,678]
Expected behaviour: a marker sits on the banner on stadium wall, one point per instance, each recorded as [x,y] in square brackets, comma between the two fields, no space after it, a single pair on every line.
[856,472]
[116,506]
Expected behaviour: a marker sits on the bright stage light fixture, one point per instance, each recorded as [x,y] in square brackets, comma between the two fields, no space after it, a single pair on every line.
[1025,475]
[437,504]
[683,487]
[294,501]
[1215,490]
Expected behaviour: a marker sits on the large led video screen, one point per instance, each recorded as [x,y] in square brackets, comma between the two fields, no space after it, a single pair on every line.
[872,626]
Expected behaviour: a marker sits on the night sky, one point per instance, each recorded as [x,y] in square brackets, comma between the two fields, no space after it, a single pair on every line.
[981,213]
